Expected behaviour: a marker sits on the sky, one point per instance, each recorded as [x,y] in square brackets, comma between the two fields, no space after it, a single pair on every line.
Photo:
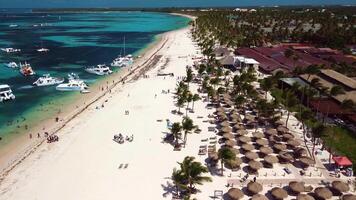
[161,3]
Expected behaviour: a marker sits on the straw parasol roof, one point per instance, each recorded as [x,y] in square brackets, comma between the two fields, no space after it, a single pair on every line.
[235,194]
[266,150]
[261,142]
[296,186]
[254,187]
[213,156]
[251,155]
[244,139]
[238,127]
[250,118]
[286,155]
[348,197]
[340,186]
[230,143]
[271,131]
[236,116]
[287,136]
[301,151]
[270,159]
[304,197]
[220,109]
[306,160]
[228,135]
[225,124]
[282,129]
[255,165]
[221,113]
[233,164]
[226,129]
[280,146]
[323,193]
[293,142]
[279,122]
[279,193]
[236,151]
[259,197]
[274,138]
[248,147]
[258,135]
[242,132]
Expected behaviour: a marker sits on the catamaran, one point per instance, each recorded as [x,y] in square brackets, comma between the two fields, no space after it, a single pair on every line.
[47,80]
[26,69]
[122,61]
[6,93]
[74,84]
[100,70]
[10,50]
[12,65]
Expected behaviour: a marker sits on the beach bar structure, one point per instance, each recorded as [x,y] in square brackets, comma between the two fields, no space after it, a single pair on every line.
[242,62]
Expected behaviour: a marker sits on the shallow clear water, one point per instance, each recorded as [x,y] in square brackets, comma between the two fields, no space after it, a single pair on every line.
[75,40]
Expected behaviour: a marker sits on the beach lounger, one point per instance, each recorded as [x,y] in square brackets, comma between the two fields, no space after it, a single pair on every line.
[120,166]
[126,165]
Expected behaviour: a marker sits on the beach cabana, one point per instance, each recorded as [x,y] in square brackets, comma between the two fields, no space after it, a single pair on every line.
[247,147]
[279,193]
[296,187]
[251,155]
[262,142]
[259,197]
[235,194]
[304,197]
[342,161]
[340,186]
[254,187]
[323,193]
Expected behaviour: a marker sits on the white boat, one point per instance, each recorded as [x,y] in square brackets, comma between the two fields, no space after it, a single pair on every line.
[26,69]
[100,70]
[6,93]
[42,50]
[122,61]
[74,84]
[47,80]
[10,50]
[13,25]
[12,65]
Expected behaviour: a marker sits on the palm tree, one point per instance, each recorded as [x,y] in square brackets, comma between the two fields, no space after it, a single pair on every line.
[180,102]
[176,132]
[348,104]
[188,99]
[192,172]
[290,101]
[195,98]
[336,90]
[189,76]
[317,132]
[187,126]
[266,84]
[225,154]
[178,179]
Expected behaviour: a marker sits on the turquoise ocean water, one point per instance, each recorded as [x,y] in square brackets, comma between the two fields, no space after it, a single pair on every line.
[75,40]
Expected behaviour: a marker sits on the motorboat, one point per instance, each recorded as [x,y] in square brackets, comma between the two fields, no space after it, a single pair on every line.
[12,65]
[122,61]
[6,93]
[26,69]
[13,25]
[74,84]
[10,50]
[42,50]
[100,70]
[47,80]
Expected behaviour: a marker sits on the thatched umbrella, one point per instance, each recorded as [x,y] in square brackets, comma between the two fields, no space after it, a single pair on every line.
[235,194]
[244,139]
[348,197]
[250,118]
[255,165]
[287,136]
[228,136]
[293,143]
[248,147]
[271,131]
[323,193]
[229,102]
[251,155]
[274,138]
[340,186]
[282,129]
[258,135]
[261,142]
[280,147]
[235,116]
[225,124]
[242,132]
[296,186]
[226,130]
[213,156]
[306,160]
[285,156]
[230,143]
[304,197]
[300,151]
[236,151]
[233,164]
[266,150]
[259,197]
[221,113]
[239,127]
[270,159]
[254,187]
[279,193]
[220,109]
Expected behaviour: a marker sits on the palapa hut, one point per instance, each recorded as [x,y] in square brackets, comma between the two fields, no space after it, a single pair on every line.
[274,138]
[279,147]
[258,135]
[296,187]
[270,159]
[225,124]
[249,118]
[279,193]
[247,147]
[340,186]
[323,193]
[226,130]
[255,165]
[287,136]
[348,197]
[266,150]
[254,187]
[293,143]
[306,161]
[220,109]
[228,136]
[230,143]
[285,157]
[239,127]
[244,139]
[262,142]
[234,163]
[304,197]
[259,197]
[271,131]
[300,151]
[242,132]
[235,194]
[251,155]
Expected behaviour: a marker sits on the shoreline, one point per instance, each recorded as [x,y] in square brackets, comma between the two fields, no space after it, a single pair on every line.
[21,147]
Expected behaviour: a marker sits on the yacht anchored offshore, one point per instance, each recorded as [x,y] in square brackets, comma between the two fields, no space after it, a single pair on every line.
[100,70]
[74,84]
[12,65]
[42,50]
[122,61]
[6,93]
[10,50]
[26,69]
[47,80]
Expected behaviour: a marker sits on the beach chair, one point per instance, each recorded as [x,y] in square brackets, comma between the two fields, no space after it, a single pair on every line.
[126,165]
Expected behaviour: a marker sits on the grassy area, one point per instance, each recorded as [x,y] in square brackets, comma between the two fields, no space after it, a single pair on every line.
[342,142]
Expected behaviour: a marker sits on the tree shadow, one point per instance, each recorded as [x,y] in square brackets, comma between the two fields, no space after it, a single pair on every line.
[168,188]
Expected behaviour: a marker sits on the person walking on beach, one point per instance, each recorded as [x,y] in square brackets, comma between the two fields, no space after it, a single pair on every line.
[30,136]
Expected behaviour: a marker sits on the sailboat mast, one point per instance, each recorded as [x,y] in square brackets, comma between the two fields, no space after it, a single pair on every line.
[124,47]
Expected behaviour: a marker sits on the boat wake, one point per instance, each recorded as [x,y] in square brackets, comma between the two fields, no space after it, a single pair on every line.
[26,87]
